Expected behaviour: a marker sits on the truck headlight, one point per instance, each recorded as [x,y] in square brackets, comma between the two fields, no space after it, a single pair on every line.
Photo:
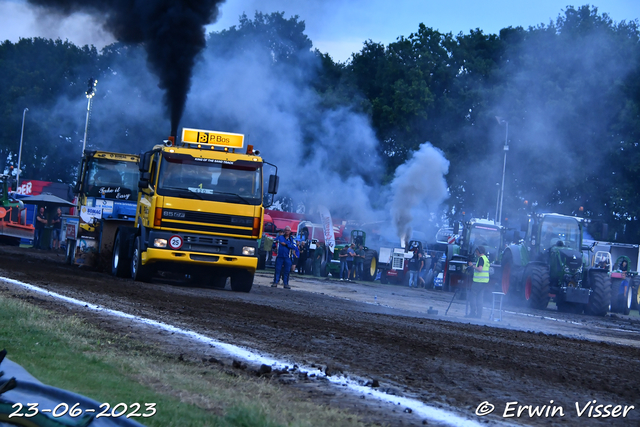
[160,243]
[248,251]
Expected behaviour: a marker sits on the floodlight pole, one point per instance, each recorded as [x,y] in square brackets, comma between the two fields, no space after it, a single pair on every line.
[24,113]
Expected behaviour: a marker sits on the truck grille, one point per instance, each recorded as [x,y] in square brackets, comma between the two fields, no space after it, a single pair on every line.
[397,263]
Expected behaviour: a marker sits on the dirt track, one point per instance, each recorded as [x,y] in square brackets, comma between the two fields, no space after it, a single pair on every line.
[383,333]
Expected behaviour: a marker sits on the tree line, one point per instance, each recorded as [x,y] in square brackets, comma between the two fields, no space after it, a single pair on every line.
[564,97]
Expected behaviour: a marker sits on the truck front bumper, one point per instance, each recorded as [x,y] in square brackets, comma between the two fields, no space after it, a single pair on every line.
[155,255]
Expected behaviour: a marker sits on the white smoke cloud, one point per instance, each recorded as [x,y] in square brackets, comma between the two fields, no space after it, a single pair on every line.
[418,188]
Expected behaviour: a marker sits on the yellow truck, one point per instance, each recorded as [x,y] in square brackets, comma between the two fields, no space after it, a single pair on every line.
[199,211]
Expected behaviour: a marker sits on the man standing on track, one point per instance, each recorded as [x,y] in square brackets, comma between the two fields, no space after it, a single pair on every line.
[480,280]
[286,244]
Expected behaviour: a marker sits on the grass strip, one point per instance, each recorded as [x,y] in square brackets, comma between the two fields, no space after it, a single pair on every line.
[65,352]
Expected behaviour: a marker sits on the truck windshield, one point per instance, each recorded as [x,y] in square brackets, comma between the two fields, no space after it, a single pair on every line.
[112,179]
[485,236]
[557,229]
[210,179]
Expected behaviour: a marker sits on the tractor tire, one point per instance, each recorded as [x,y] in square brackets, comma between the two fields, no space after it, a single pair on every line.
[383,277]
[507,261]
[621,301]
[536,287]
[370,265]
[635,303]
[241,281]
[600,298]
[139,272]
[121,255]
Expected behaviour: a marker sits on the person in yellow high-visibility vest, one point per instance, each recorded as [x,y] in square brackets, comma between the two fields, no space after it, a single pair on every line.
[480,281]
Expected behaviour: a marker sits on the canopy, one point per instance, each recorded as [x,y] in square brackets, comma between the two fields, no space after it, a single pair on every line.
[46,200]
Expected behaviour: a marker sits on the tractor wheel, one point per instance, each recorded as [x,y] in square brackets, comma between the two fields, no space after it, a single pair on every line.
[536,287]
[241,281]
[383,277]
[600,298]
[621,299]
[139,272]
[506,272]
[120,258]
[635,294]
[370,265]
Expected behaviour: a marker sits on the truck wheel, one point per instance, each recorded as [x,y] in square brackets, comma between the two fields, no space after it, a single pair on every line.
[262,259]
[139,272]
[120,259]
[600,298]
[370,265]
[241,281]
[536,287]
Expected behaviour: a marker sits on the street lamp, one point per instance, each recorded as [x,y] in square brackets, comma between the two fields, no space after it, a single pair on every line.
[24,113]
[504,166]
[91,91]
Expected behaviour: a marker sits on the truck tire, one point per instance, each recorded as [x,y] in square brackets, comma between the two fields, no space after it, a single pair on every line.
[370,266]
[262,259]
[121,255]
[536,286]
[241,281]
[600,298]
[139,272]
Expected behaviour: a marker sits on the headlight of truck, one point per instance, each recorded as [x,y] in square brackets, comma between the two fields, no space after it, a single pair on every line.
[248,251]
[160,243]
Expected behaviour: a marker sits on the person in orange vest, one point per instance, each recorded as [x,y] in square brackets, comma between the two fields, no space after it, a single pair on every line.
[480,281]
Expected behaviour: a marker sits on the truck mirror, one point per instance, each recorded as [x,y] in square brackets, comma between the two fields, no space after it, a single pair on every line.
[144,180]
[145,161]
[274,180]
[456,227]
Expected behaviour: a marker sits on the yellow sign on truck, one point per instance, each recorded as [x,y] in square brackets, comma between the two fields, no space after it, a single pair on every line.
[199,211]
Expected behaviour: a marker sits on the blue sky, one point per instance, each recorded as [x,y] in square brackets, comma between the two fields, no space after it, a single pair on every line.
[339,27]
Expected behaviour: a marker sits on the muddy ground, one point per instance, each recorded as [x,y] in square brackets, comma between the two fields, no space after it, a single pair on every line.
[380,333]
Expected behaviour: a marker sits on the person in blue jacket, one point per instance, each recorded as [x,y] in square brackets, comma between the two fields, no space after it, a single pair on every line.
[286,249]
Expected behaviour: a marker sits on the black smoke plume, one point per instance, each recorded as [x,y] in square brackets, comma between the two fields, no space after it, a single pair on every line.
[171,31]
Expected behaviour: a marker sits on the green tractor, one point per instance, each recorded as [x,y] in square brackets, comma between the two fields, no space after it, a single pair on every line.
[549,263]
[358,237]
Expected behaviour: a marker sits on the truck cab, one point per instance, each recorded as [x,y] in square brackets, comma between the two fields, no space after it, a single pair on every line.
[199,211]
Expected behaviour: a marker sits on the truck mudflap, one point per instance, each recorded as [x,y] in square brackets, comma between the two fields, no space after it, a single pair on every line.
[574,295]
[154,255]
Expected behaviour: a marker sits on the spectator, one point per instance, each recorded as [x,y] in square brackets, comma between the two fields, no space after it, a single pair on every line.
[41,222]
[414,269]
[286,246]
[351,254]
[342,255]
[360,255]
[56,223]
[422,270]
